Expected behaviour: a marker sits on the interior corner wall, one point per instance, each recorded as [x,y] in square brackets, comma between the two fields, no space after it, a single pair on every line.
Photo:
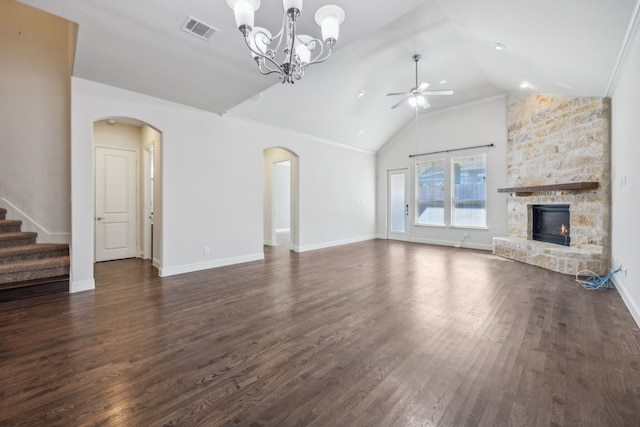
[478,123]
[35,72]
[212,183]
[625,180]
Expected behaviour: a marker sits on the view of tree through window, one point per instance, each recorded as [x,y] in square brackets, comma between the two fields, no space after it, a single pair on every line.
[430,192]
[469,191]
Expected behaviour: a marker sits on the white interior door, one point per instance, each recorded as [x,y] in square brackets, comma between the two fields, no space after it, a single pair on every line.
[116,207]
[398,204]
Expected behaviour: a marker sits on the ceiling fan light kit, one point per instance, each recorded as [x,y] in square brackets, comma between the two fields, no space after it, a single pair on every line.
[417,96]
[299,51]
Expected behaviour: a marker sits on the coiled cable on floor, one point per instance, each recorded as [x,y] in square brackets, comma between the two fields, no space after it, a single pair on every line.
[593,281]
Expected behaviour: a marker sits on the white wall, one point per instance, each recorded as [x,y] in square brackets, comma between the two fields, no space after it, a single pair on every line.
[467,125]
[35,69]
[212,181]
[625,180]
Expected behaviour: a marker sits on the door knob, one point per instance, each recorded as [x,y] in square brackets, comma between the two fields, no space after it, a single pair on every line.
[99,218]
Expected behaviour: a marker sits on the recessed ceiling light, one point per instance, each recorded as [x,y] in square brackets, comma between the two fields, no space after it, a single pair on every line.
[499,46]
[443,82]
[111,122]
[361,93]
[566,85]
[525,85]
[361,132]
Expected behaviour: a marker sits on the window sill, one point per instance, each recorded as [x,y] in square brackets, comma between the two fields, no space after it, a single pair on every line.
[430,225]
[469,227]
[465,227]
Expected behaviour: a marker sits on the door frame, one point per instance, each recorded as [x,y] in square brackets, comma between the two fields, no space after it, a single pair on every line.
[406,236]
[150,135]
[270,156]
[148,201]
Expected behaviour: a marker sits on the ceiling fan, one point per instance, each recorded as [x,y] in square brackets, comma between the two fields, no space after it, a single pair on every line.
[416,97]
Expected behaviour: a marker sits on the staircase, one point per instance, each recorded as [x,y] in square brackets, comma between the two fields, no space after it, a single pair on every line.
[29,269]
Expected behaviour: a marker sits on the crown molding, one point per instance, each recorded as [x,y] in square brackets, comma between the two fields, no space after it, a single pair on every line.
[629,40]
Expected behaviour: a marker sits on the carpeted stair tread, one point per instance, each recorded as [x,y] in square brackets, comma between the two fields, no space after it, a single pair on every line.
[34,251]
[29,269]
[33,269]
[18,238]
[10,225]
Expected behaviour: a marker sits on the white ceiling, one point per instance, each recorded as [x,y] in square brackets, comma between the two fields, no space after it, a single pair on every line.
[138,45]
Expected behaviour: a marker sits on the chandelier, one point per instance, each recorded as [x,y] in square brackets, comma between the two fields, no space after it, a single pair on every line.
[287,53]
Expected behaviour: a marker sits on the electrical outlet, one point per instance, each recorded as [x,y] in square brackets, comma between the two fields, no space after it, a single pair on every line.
[207,249]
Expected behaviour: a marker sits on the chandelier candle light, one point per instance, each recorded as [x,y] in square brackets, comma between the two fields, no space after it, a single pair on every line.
[297,49]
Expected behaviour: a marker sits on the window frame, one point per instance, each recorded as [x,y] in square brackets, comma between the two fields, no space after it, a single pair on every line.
[452,198]
[417,201]
[448,180]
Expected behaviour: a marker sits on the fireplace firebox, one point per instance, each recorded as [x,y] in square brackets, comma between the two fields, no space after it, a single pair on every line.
[550,223]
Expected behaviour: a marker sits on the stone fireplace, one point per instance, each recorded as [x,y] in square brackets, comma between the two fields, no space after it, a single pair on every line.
[558,154]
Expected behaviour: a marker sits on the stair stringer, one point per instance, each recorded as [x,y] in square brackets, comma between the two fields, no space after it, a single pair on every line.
[29,224]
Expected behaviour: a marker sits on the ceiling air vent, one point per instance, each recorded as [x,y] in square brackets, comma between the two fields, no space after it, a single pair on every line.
[199,28]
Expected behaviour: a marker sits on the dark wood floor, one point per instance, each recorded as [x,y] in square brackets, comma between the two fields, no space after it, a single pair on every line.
[370,334]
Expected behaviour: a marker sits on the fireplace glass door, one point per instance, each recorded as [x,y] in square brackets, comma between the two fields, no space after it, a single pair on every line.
[551,224]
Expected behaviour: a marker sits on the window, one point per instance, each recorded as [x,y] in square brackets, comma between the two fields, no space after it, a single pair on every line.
[430,192]
[459,180]
[468,204]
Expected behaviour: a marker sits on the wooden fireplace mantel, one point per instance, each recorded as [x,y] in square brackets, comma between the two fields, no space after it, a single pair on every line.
[571,186]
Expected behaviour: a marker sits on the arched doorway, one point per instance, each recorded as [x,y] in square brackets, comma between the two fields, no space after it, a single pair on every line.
[127,190]
[281,198]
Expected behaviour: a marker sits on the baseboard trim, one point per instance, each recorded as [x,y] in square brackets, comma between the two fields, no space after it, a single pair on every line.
[189,268]
[628,301]
[333,243]
[465,245]
[82,285]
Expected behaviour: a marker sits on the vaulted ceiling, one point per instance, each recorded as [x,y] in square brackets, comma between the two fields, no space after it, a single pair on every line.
[562,47]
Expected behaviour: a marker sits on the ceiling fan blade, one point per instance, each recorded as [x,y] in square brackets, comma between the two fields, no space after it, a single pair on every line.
[398,93]
[403,100]
[422,86]
[438,92]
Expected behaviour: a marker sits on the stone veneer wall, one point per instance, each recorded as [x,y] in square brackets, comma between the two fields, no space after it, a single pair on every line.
[555,140]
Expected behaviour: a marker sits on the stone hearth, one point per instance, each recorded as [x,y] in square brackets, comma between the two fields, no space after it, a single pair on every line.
[559,140]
